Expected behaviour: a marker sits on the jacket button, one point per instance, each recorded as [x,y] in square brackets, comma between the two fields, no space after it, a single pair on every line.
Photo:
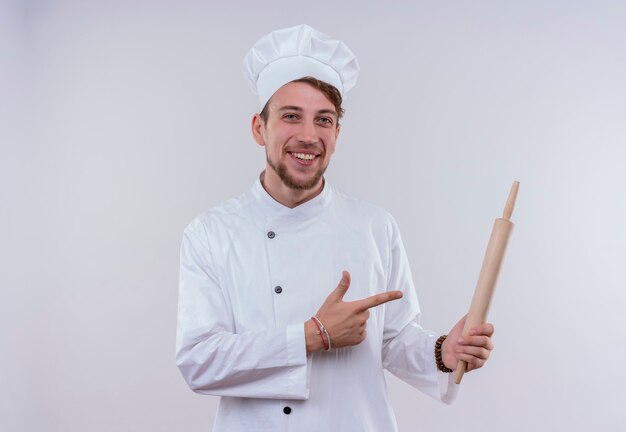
[278,289]
[271,234]
[287,410]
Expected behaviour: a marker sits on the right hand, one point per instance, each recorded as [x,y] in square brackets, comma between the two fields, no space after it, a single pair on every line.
[345,321]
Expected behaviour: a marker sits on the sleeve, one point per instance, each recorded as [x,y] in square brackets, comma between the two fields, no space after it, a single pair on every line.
[212,357]
[408,349]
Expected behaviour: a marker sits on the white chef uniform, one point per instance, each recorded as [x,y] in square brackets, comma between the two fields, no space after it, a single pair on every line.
[253,271]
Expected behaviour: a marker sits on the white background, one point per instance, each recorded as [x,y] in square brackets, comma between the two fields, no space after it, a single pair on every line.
[122,120]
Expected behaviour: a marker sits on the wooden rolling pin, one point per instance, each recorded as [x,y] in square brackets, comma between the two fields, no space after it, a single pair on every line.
[488,277]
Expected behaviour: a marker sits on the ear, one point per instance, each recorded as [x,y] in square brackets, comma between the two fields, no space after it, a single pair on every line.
[337,131]
[258,129]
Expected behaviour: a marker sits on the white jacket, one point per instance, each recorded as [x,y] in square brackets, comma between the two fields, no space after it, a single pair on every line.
[253,271]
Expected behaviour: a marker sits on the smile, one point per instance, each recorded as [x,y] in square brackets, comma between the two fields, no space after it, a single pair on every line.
[304,156]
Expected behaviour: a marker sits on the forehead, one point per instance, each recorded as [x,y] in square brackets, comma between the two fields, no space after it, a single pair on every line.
[301,95]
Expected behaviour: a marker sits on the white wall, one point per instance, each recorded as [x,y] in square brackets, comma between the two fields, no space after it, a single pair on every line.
[122,120]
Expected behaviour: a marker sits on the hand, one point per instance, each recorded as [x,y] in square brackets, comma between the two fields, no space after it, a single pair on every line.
[345,321]
[473,349]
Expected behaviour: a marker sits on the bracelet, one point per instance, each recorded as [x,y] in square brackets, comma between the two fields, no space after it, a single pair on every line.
[440,365]
[322,332]
[319,332]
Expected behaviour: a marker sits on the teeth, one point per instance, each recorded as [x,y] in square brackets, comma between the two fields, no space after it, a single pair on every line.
[304,156]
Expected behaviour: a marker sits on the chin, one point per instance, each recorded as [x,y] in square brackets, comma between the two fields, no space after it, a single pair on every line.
[302,184]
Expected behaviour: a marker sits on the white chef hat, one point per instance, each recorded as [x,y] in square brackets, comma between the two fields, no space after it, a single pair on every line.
[295,52]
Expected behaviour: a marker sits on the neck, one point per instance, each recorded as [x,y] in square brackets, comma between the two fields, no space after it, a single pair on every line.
[285,195]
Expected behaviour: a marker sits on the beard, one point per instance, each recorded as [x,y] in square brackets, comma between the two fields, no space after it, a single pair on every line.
[292,183]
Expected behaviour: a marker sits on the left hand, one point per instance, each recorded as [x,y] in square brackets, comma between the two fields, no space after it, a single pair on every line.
[474,348]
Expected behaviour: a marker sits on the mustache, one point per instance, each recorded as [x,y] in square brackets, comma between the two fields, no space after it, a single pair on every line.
[311,148]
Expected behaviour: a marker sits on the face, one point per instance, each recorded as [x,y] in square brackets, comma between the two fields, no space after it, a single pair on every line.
[299,136]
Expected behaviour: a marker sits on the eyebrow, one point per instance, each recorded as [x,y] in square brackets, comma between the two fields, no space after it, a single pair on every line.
[328,111]
[290,108]
[299,109]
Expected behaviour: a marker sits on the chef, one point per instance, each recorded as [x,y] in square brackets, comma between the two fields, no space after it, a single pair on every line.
[294,297]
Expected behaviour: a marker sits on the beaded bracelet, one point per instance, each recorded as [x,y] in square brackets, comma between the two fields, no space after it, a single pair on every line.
[440,365]
[322,332]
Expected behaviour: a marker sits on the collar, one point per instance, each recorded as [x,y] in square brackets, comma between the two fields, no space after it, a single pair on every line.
[306,210]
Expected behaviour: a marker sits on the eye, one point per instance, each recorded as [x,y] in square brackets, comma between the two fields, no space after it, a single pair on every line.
[326,121]
[290,116]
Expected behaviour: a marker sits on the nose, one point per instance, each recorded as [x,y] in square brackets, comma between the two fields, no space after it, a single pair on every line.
[307,134]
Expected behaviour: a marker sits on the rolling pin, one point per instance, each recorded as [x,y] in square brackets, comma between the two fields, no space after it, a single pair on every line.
[488,277]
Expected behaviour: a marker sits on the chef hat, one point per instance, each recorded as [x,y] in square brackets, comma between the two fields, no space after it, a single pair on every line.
[295,52]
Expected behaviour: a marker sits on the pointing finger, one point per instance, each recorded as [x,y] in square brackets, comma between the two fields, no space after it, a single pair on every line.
[378,299]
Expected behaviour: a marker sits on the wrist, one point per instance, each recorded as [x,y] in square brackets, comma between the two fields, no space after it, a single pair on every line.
[439,355]
[313,339]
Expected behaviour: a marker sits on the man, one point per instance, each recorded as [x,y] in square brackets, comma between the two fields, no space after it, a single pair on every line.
[262,321]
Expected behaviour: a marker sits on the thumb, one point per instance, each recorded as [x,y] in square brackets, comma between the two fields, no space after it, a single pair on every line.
[343,286]
[457,331]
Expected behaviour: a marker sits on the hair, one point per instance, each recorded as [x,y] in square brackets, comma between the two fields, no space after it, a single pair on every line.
[330,91]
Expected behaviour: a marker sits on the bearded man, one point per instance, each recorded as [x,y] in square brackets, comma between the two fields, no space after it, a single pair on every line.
[263,322]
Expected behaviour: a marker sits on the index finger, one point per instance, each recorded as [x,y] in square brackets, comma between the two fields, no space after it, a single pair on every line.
[485,329]
[377,299]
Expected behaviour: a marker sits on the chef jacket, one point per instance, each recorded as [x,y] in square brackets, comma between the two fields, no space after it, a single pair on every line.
[253,271]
